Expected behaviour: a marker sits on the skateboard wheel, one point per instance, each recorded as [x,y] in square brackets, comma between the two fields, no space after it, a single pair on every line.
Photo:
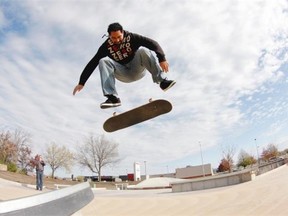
[150,100]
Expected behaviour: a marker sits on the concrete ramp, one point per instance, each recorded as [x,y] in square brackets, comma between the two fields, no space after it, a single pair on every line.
[155,183]
[62,202]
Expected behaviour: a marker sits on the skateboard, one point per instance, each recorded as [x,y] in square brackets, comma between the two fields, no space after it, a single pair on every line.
[137,115]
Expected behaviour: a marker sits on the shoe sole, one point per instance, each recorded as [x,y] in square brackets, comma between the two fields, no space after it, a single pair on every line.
[105,106]
[170,86]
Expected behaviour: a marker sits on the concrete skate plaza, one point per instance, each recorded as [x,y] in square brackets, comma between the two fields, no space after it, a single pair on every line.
[266,195]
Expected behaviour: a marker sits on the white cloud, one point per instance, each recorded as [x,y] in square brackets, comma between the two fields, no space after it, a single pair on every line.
[219,53]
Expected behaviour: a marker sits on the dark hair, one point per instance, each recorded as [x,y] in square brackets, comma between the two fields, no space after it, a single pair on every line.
[114,27]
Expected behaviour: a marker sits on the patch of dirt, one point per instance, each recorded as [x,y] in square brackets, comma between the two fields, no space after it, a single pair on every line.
[25,179]
[49,182]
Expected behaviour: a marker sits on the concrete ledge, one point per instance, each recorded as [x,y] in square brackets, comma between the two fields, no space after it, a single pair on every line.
[97,189]
[122,186]
[3,167]
[65,201]
[58,186]
[213,182]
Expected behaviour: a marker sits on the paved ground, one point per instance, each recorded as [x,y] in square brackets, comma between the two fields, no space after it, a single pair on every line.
[12,190]
[267,195]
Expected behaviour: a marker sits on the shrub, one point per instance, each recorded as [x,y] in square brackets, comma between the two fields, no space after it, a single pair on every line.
[80,178]
[11,167]
[23,171]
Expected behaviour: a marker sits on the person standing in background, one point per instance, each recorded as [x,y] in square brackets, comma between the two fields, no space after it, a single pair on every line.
[39,164]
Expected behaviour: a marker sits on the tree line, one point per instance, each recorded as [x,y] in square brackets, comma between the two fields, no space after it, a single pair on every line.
[98,152]
[94,153]
[245,159]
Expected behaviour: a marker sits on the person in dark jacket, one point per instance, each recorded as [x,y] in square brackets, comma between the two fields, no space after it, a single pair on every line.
[125,56]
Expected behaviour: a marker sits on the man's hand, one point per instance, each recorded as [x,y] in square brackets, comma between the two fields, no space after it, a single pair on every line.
[165,66]
[77,89]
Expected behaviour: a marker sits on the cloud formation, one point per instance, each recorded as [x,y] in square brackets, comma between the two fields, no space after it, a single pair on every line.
[229,59]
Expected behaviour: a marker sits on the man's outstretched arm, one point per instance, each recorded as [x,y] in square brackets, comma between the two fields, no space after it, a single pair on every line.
[77,88]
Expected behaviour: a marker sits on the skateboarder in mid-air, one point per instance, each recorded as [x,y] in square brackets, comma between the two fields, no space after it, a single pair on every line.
[121,57]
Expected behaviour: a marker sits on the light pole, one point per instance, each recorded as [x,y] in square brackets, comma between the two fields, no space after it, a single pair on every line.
[203,170]
[257,152]
[145,169]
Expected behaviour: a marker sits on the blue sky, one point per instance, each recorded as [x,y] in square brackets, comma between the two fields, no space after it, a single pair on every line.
[229,59]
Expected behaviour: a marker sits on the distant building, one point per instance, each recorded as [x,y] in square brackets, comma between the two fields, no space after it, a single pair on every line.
[194,171]
[137,172]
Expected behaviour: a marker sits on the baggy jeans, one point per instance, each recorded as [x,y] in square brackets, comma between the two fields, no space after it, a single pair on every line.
[134,70]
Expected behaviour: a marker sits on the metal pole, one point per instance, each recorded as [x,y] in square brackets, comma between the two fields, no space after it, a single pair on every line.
[258,161]
[203,170]
[145,170]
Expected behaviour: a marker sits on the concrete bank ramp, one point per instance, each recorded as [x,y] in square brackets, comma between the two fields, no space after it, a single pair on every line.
[62,202]
[155,183]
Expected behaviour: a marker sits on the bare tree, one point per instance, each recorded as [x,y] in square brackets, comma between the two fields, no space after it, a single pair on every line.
[8,149]
[22,141]
[15,148]
[96,153]
[245,159]
[58,157]
[228,154]
[270,152]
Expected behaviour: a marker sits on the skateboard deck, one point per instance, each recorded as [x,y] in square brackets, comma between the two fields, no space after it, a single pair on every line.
[137,115]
